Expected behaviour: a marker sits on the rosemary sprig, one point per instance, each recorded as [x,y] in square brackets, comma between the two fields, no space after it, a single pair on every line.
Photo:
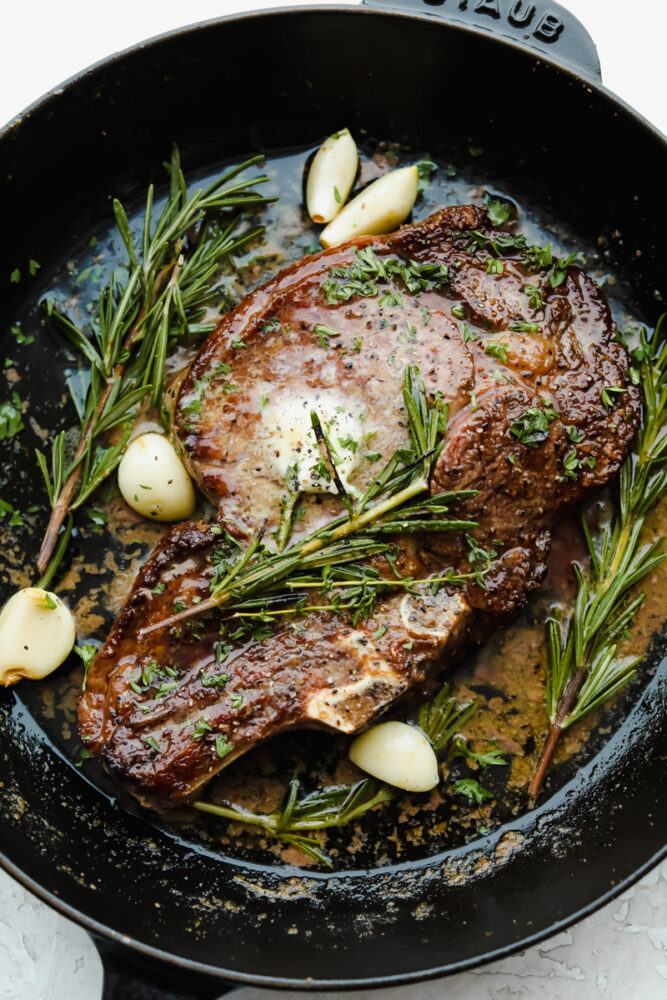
[171,277]
[584,669]
[440,720]
[387,507]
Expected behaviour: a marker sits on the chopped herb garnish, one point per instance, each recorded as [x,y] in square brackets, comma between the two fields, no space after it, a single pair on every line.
[472,790]
[337,195]
[201,728]
[158,589]
[498,210]
[571,465]
[48,603]
[153,743]
[10,417]
[468,333]
[87,653]
[608,392]
[237,700]
[15,518]
[524,327]
[534,294]
[459,310]
[532,427]
[496,350]
[222,747]
[323,333]
[380,632]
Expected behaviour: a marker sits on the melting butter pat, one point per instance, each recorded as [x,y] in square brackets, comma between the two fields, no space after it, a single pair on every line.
[292,446]
[37,634]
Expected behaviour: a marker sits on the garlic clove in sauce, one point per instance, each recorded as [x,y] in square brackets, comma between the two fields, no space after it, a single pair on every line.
[154,481]
[398,754]
[379,208]
[331,176]
[37,634]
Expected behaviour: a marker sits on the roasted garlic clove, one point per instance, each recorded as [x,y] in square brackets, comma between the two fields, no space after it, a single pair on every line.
[331,176]
[37,634]
[153,480]
[398,754]
[379,208]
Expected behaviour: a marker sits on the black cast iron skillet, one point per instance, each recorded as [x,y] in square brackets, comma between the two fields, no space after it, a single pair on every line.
[433,75]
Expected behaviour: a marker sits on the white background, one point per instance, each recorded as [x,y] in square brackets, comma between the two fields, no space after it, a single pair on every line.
[618,953]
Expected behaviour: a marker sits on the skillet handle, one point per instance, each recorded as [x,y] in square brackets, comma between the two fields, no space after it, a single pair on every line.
[541,25]
[126,978]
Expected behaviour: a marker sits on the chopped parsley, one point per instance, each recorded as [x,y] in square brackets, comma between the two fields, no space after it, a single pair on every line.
[363,276]
[532,427]
[496,350]
[222,747]
[607,394]
[213,680]
[498,209]
[323,333]
[201,728]
[20,336]
[10,417]
[524,327]
[87,653]
[472,790]
[15,518]
[534,296]
[468,333]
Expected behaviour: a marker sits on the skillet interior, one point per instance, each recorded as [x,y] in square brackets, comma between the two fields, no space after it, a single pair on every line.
[591,166]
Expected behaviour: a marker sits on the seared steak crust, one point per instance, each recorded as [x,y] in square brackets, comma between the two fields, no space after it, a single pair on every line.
[499,343]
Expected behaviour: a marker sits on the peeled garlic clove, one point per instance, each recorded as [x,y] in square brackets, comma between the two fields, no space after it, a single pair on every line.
[379,208]
[153,480]
[331,176]
[37,634]
[398,754]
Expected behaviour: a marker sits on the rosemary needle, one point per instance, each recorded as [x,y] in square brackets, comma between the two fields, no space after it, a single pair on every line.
[388,507]
[171,277]
[584,669]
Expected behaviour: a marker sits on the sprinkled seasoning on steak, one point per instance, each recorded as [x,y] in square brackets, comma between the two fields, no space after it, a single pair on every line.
[521,365]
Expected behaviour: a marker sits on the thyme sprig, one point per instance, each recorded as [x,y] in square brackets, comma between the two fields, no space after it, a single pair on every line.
[389,506]
[584,669]
[440,719]
[171,277]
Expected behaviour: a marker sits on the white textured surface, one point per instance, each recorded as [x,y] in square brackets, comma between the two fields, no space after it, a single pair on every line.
[619,953]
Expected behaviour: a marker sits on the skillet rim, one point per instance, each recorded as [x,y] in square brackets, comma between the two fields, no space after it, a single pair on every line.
[234,977]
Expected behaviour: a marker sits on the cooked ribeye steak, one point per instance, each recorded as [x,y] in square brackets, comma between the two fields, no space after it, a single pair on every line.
[521,348]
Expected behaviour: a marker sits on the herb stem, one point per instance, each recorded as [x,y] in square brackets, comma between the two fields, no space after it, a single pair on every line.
[62,506]
[584,670]
[294,557]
